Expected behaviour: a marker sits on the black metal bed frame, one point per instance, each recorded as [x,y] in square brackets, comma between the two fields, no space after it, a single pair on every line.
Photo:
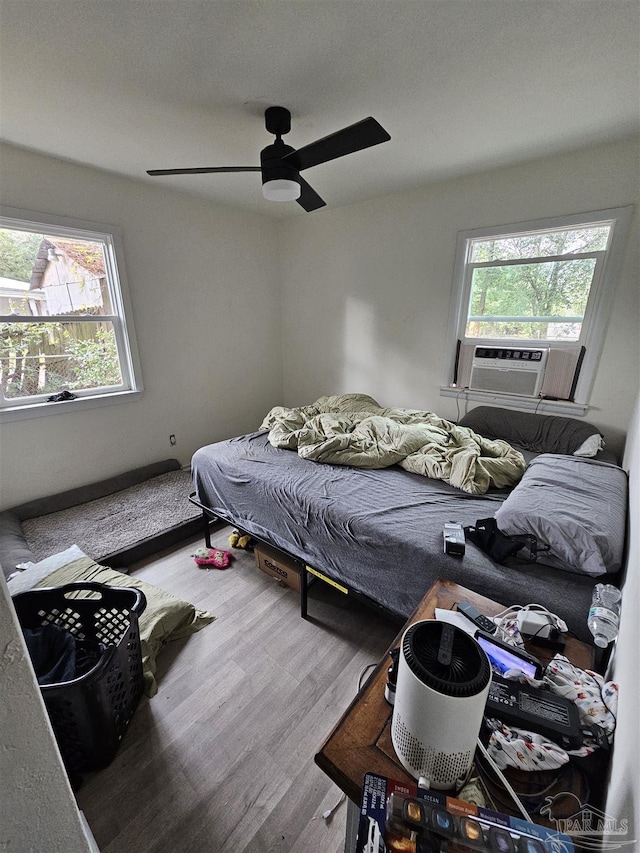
[304,569]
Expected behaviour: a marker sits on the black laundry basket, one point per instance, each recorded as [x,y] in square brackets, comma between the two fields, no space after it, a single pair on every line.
[90,714]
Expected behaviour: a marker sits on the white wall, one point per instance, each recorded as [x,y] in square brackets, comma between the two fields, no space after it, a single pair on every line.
[623,798]
[38,811]
[204,285]
[366,288]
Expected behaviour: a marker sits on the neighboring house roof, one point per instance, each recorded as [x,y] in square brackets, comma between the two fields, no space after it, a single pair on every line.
[86,255]
[11,288]
[16,298]
[13,284]
[81,253]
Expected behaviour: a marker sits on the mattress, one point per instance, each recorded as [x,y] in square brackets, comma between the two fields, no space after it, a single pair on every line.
[378,531]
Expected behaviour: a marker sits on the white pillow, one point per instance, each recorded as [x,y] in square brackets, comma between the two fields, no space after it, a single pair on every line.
[36,572]
[590,446]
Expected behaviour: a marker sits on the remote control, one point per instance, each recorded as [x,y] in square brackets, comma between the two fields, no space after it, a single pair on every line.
[453,538]
[480,621]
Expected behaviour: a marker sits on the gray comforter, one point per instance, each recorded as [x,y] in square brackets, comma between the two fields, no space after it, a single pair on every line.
[353,430]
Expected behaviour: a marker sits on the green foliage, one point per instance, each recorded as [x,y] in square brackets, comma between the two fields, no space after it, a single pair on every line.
[542,244]
[37,359]
[18,250]
[95,361]
[19,370]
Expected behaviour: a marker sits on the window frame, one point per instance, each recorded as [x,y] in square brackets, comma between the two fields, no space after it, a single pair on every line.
[122,317]
[596,316]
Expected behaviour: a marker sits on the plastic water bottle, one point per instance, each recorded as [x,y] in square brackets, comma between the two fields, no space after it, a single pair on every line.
[604,614]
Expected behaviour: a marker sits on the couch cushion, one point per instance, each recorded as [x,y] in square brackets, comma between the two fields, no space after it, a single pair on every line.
[538,433]
[93,491]
[13,546]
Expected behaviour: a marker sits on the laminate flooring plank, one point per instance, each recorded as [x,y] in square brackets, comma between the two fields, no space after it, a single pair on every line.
[230,807]
[220,760]
[295,822]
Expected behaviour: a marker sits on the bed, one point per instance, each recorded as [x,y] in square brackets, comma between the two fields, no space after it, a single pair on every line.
[378,531]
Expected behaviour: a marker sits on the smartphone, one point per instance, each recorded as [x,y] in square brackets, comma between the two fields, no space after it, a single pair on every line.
[504,657]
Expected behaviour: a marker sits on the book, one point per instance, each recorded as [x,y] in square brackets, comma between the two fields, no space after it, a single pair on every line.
[396,817]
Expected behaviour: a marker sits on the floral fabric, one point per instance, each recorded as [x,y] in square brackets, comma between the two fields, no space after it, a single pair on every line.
[596,701]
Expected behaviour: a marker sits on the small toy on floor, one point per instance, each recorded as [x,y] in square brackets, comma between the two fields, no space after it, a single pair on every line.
[215,557]
[242,541]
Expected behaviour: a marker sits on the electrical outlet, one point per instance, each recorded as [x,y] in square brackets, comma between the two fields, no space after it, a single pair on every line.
[172,440]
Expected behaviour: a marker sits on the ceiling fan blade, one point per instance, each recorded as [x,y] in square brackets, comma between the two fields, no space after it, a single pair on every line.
[362,134]
[309,198]
[204,170]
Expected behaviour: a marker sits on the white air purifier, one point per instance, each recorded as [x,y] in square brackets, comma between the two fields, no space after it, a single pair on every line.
[442,689]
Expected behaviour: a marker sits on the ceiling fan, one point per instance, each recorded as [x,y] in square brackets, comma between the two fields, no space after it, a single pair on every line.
[281,164]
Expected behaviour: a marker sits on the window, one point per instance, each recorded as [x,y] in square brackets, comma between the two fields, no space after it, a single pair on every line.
[65,327]
[539,291]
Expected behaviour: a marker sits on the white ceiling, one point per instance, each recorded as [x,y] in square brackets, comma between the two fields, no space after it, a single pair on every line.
[461,85]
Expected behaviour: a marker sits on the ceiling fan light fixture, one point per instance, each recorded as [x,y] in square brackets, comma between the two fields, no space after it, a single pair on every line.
[280,164]
[281,189]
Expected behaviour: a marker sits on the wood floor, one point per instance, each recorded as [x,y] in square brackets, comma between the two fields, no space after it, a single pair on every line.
[221,759]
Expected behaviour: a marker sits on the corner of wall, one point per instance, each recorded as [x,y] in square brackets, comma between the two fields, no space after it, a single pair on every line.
[38,810]
[623,794]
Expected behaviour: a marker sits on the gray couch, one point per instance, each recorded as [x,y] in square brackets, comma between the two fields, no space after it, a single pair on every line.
[14,548]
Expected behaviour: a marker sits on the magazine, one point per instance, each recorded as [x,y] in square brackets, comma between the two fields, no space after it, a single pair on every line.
[402,818]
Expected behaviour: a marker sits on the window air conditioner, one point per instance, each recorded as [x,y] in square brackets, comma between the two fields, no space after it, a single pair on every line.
[508,370]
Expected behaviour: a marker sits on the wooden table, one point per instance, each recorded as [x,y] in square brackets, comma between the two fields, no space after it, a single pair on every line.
[361,740]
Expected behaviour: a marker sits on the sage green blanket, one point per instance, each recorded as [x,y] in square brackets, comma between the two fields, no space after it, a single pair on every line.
[352,429]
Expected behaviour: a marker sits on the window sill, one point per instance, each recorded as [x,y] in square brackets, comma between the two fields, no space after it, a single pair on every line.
[510,401]
[42,410]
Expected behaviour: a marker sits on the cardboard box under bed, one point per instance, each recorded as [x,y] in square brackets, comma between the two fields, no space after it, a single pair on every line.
[278,565]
